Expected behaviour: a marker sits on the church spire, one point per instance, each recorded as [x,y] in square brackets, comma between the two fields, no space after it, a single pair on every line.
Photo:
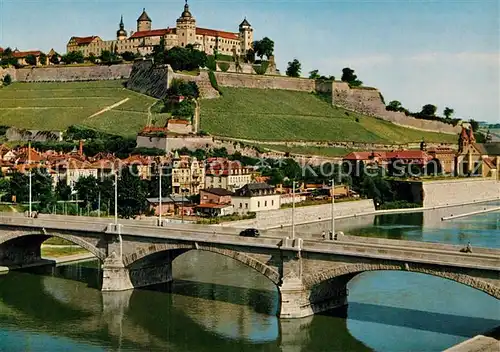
[122,26]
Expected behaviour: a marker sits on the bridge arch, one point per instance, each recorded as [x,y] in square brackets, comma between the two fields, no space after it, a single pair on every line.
[42,237]
[178,249]
[351,270]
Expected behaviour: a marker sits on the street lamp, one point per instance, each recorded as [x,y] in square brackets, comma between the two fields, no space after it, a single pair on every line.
[293,210]
[333,208]
[159,194]
[116,196]
[29,171]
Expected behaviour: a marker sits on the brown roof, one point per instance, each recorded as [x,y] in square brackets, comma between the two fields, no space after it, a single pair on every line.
[216,33]
[178,122]
[21,54]
[153,33]
[144,17]
[218,191]
[84,40]
[213,206]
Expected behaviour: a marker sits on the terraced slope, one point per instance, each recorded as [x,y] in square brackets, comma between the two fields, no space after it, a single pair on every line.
[286,115]
[55,106]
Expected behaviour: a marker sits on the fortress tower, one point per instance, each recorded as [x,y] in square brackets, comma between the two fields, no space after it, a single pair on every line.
[144,22]
[121,34]
[186,27]
[246,35]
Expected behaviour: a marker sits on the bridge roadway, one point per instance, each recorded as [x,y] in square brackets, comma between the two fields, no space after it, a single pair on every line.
[311,275]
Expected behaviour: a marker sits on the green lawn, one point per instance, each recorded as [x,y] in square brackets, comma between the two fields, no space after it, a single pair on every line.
[286,115]
[55,106]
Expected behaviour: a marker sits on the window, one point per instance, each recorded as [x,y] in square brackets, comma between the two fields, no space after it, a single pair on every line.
[241,205]
[246,205]
[272,202]
[258,204]
[265,203]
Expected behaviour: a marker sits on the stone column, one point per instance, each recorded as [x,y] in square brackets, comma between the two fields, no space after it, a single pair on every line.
[115,276]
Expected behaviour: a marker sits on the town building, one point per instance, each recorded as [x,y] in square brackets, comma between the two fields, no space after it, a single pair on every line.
[477,159]
[71,170]
[185,32]
[226,174]
[188,175]
[255,197]
[170,205]
[215,196]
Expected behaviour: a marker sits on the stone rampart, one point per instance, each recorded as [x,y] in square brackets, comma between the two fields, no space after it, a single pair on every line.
[73,73]
[146,78]
[369,102]
[303,215]
[455,192]
[239,80]
[7,71]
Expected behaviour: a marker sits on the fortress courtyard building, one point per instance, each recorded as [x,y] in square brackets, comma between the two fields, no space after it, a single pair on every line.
[185,32]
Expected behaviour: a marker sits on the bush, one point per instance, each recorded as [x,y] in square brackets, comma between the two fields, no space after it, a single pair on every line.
[213,81]
[262,68]
[224,66]
[7,80]
[399,204]
[222,57]
[211,63]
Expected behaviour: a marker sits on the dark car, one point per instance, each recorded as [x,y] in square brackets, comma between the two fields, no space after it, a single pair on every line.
[250,233]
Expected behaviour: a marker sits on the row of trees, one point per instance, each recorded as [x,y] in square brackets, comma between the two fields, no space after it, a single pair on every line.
[89,192]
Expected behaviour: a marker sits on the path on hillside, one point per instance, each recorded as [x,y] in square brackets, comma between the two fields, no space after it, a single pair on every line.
[111,107]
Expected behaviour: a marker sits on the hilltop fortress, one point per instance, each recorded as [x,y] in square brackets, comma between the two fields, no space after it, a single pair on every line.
[185,32]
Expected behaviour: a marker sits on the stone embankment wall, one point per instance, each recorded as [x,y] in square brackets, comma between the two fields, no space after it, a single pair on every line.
[238,80]
[455,192]
[303,215]
[73,73]
[369,102]
[7,71]
[154,81]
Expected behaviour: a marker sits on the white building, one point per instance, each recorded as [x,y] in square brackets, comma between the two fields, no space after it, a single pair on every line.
[230,175]
[255,197]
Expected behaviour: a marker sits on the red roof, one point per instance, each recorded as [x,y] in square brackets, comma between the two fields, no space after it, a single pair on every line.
[21,54]
[215,33]
[362,155]
[153,33]
[178,122]
[84,40]
[398,154]
[1,50]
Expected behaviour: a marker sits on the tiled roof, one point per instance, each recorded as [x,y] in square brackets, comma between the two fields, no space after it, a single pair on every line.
[213,206]
[399,154]
[178,122]
[144,16]
[153,33]
[219,192]
[84,40]
[216,33]
[21,54]
[490,149]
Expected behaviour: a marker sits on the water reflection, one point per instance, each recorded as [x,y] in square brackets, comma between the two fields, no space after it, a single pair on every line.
[216,304]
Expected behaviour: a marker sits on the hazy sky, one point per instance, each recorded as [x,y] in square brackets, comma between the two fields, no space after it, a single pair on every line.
[441,52]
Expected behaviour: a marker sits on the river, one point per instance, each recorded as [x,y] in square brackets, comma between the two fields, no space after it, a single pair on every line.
[217,304]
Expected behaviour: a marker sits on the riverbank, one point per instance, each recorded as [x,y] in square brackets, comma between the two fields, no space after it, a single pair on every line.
[489,342]
[57,260]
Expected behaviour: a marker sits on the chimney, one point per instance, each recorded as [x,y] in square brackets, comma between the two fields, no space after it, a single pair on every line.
[80,150]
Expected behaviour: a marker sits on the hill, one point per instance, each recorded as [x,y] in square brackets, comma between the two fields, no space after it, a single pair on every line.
[287,115]
[55,106]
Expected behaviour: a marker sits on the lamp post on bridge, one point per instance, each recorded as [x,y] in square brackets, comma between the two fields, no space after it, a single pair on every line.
[333,208]
[293,210]
[30,177]
[116,196]
[160,171]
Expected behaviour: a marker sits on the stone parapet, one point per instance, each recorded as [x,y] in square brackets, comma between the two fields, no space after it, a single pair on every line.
[74,73]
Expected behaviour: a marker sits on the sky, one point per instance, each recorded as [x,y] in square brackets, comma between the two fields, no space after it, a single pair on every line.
[442,52]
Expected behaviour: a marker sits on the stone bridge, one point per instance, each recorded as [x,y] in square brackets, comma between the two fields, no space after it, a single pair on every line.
[310,275]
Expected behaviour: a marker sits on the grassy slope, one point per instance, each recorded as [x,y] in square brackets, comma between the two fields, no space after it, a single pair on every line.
[55,106]
[286,115]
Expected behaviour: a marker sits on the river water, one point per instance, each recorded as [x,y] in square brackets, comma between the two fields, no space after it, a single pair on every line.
[217,304]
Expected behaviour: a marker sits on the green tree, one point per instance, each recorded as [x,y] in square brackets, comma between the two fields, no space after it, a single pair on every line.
[19,187]
[43,59]
[448,112]
[159,52]
[128,56]
[350,77]
[30,60]
[265,47]
[187,58]
[428,110]
[106,56]
[92,58]
[62,191]
[294,68]
[179,87]
[185,108]
[394,105]
[88,190]
[250,56]
[131,194]
[7,80]
[314,74]
[474,124]
[54,59]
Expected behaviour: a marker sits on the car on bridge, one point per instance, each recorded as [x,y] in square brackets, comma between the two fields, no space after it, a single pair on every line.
[250,233]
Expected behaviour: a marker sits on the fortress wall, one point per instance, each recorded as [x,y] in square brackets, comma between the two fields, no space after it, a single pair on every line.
[454,192]
[238,80]
[369,102]
[154,81]
[73,73]
[8,71]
